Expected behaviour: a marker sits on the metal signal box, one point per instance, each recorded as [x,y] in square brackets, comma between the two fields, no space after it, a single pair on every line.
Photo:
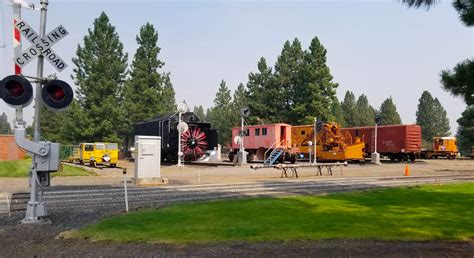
[148,157]
[49,162]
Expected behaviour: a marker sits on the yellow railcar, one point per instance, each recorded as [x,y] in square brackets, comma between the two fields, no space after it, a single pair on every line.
[98,154]
[332,144]
[442,147]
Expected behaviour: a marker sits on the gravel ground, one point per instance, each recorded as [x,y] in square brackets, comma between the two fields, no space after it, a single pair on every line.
[27,240]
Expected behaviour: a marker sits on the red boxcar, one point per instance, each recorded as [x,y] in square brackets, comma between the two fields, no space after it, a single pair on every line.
[260,138]
[397,142]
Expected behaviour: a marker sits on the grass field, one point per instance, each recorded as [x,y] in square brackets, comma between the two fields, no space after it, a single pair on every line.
[20,169]
[443,212]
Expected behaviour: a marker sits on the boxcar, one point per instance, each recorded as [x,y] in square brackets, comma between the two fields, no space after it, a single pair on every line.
[260,139]
[397,142]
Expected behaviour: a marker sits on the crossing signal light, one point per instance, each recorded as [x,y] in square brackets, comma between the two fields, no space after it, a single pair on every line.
[15,90]
[57,95]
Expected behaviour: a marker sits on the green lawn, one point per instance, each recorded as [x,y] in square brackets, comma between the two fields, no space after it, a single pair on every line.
[417,213]
[20,169]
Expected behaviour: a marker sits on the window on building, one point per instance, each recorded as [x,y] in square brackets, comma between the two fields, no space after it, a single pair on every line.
[303,132]
[247,132]
[264,131]
[257,131]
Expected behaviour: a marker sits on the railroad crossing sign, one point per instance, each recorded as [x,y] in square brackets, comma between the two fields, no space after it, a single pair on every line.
[41,46]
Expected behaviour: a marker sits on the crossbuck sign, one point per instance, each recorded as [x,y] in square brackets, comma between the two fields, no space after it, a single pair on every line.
[41,46]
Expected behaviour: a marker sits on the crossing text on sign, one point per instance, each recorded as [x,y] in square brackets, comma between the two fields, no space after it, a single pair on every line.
[41,46]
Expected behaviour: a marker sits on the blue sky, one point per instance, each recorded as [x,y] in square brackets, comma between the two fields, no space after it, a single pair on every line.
[380,48]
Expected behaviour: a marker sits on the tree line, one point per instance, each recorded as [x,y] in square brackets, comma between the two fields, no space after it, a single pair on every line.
[111,97]
[299,88]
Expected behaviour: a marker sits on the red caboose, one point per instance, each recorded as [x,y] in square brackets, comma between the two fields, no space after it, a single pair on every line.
[397,142]
[260,140]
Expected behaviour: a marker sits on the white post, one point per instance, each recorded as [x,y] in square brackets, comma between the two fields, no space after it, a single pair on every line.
[180,152]
[242,130]
[315,140]
[125,188]
[375,149]
[375,159]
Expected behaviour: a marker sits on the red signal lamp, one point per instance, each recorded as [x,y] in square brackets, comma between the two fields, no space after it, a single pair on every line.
[15,90]
[57,95]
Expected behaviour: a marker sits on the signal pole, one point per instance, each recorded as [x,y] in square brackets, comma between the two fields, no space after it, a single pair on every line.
[35,208]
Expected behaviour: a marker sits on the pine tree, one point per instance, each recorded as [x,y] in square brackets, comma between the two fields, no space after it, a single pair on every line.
[168,95]
[314,91]
[388,113]
[337,114]
[262,95]
[432,118]
[199,111]
[49,121]
[221,115]
[287,78]
[99,74]
[72,130]
[365,113]
[142,92]
[348,107]
[460,81]
[465,134]
[5,127]
[239,100]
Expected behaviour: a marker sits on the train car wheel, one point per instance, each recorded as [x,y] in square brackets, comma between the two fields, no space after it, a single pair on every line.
[231,156]
[251,157]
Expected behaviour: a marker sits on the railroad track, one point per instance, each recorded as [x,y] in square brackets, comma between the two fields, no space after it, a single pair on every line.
[101,196]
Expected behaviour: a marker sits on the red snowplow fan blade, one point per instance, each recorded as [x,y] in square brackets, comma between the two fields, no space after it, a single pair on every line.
[194,143]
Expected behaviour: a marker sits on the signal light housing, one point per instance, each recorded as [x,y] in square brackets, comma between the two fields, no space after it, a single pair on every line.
[57,95]
[15,90]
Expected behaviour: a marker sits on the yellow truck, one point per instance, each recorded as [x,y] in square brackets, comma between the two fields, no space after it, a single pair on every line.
[96,154]
[442,147]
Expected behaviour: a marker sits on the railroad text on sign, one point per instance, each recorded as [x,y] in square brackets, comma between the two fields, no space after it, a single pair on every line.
[41,46]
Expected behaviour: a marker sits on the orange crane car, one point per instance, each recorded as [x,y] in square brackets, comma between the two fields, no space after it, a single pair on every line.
[332,144]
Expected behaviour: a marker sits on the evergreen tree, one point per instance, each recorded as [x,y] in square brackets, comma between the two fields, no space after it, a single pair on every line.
[365,114]
[168,95]
[388,113]
[221,115]
[5,127]
[239,101]
[262,95]
[49,121]
[142,92]
[465,134]
[314,91]
[199,111]
[72,130]
[348,107]
[432,118]
[460,81]
[99,74]
[288,68]
[337,114]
